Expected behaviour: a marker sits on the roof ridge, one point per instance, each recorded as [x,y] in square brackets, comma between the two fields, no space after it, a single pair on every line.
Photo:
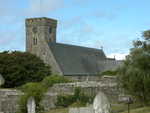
[77,46]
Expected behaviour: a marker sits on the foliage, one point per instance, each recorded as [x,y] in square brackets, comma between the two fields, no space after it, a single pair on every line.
[79,98]
[37,90]
[53,79]
[109,72]
[135,72]
[19,68]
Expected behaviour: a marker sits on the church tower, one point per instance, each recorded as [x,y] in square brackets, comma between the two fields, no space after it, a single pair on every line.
[39,31]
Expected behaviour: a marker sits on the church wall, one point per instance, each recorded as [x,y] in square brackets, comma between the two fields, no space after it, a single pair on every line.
[49,59]
[111,64]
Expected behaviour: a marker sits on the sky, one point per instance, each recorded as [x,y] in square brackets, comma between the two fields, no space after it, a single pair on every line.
[108,24]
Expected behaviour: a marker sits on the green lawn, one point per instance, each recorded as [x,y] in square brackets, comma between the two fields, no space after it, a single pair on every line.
[140,110]
[122,108]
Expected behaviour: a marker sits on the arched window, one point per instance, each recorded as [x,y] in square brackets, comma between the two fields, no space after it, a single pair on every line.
[50,30]
[34,41]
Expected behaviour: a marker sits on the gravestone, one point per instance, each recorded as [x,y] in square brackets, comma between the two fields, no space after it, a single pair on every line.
[2,81]
[31,105]
[101,104]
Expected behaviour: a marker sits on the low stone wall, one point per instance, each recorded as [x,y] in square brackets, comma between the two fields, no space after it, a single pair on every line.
[106,84]
[84,78]
[9,100]
[9,97]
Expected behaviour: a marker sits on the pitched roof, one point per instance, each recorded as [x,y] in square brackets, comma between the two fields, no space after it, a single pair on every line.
[77,60]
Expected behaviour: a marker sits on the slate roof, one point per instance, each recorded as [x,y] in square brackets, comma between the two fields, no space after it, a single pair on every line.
[77,60]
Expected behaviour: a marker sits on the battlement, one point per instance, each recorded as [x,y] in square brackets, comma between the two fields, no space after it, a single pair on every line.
[43,21]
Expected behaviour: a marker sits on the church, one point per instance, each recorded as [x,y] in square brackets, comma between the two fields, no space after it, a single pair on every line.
[64,59]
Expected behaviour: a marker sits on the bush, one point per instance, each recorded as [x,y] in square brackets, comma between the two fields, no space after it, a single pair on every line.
[78,99]
[35,90]
[53,79]
[19,68]
[65,100]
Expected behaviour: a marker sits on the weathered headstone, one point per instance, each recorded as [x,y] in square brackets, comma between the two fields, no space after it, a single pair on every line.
[2,81]
[101,104]
[31,105]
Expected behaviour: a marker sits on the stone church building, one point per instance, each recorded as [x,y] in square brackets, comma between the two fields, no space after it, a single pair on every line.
[64,59]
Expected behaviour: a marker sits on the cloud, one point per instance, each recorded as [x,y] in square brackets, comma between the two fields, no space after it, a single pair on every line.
[105,15]
[118,56]
[70,23]
[42,7]
[78,32]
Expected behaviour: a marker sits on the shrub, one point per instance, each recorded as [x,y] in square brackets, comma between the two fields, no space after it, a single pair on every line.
[65,100]
[35,90]
[19,68]
[78,99]
[53,79]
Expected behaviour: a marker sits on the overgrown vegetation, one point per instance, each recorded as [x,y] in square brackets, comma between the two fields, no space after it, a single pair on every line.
[37,91]
[19,68]
[76,100]
[135,72]
[109,72]
[50,80]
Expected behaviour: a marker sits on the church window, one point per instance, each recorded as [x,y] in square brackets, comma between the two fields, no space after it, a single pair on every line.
[34,29]
[50,30]
[35,41]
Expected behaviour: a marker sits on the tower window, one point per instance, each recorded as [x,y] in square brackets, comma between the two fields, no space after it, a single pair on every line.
[50,30]
[34,29]
[35,41]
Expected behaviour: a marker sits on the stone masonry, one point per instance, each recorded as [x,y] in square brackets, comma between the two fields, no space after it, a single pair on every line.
[9,97]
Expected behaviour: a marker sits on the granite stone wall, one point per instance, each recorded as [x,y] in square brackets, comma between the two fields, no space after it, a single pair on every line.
[9,97]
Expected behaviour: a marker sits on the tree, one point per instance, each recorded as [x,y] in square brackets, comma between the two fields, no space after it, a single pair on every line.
[134,74]
[19,68]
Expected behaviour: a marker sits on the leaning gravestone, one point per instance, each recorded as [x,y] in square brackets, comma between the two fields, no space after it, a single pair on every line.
[2,81]
[101,104]
[31,105]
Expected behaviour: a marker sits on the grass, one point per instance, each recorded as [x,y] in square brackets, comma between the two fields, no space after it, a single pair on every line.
[139,110]
[117,108]
[123,107]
